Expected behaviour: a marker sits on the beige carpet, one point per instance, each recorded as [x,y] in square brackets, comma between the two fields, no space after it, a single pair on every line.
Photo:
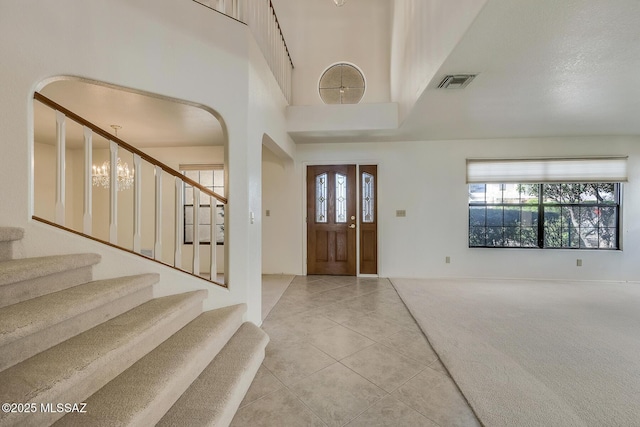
[536,353]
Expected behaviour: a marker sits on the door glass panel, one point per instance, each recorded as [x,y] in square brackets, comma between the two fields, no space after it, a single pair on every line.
[321,198]
[341,198]
[368,214]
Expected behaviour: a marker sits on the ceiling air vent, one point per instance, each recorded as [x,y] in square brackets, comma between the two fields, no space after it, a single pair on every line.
[458,81]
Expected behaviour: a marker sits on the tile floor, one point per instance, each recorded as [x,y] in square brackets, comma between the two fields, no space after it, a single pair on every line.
[345,351]
[273,286]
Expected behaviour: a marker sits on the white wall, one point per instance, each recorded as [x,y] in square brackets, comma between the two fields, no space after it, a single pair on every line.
[179,50]
[266,126]
[348,117]
[280,252]
[424,33]
[427,179]
[320,34]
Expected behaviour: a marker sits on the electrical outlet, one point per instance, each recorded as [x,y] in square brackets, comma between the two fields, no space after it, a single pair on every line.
[267,213]
[447,260]
[401,213]
[579,263]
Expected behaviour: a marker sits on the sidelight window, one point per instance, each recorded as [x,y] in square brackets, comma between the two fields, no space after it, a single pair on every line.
[368,198]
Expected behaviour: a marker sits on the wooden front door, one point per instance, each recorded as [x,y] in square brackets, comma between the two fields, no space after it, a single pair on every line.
[331,220]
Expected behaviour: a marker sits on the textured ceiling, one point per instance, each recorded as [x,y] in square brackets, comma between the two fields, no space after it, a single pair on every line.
[546,68]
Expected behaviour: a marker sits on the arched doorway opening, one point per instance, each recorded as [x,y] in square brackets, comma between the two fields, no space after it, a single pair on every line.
[167,157]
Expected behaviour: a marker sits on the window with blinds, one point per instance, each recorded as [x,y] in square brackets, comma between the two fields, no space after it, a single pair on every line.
[545,203]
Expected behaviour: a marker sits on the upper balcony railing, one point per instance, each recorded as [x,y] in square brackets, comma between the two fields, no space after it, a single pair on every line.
[261,18]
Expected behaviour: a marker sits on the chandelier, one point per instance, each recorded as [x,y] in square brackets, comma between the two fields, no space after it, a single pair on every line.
[101,175]
[339,2]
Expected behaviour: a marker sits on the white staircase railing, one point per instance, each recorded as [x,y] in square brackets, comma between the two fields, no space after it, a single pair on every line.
[169,211]
[260,17]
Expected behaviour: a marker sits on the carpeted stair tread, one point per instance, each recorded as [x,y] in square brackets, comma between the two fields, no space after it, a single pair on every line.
[19,270]
[214,397]
[22,319]
[8,238]
[10,234]
[142,394]
[78,367]
[32,326]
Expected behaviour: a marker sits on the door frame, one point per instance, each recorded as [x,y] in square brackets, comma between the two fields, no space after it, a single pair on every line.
[358,213]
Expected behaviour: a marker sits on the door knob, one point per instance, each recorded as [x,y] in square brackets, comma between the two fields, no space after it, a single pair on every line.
[353,217]
[352,226]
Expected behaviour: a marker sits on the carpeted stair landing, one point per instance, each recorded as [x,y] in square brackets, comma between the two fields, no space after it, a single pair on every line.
[132,359]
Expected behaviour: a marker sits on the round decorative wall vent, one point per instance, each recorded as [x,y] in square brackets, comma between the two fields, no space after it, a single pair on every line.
[341,84]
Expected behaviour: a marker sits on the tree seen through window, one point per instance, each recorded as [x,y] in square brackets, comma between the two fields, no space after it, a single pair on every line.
[562,215]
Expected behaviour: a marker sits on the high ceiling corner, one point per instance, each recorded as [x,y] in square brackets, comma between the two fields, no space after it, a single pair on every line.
[544,68]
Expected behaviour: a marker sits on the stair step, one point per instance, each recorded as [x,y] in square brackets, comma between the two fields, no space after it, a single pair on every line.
[23,279]
[34,325]
[8,235]
[214,397]
[75,369]
[142,394]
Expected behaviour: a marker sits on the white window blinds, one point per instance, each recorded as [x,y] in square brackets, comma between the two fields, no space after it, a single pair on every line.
[587,169]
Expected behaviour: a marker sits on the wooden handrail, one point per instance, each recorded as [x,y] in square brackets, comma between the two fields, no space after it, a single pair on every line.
[217,11]
[110,137]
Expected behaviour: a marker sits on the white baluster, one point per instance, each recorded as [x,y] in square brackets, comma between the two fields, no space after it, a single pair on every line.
[196,231]
[289,75]
[274,37]
[113,193]
[87,220]
[268,53]
[270,23]
[60,166]
[137,203]
[214,238]
[177,257]
[278,67]
[242,14]
[261,25]
[262,21]
[157,249]
[281,66]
